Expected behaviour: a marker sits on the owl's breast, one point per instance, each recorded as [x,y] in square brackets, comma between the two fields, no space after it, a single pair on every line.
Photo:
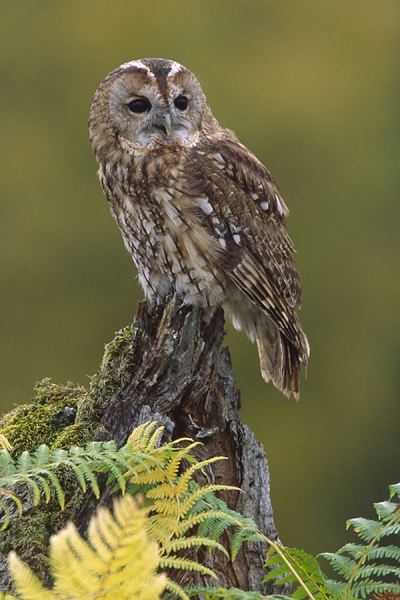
[163,230]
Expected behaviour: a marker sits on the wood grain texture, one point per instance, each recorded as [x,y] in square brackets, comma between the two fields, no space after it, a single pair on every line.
[183,379]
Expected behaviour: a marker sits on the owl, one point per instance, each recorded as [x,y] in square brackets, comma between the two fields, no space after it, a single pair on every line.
[199,213]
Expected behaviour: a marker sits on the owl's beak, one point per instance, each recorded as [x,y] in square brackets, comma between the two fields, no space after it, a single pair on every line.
[163,122]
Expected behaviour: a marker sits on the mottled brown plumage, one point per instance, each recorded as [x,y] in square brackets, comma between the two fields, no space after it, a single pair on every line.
[200,215]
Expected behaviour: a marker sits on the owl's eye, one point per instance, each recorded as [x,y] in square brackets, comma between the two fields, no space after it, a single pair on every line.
[140,105]
[181,102]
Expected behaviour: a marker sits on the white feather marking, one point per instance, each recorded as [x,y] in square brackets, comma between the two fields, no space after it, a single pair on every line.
[135,243]
[218,157]
[254,195]
[175,68]
[176,267]
[148,227]
[222,242]
[236,239]
[279,205]
[205,205]
[153,238]
[169,242]
[173,214]
[265,205]
[137,63]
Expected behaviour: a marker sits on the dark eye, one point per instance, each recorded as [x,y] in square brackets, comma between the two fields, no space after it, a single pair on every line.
[140,105]
[181,102]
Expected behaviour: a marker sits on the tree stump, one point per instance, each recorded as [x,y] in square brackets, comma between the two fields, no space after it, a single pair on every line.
[181,378]
[169,367]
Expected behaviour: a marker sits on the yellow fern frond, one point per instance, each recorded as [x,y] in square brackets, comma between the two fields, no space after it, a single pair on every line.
[191,499]
[191,542]
[4,443]
[187,476]
[176,589]
[118,561]
[187,565]
[26,583]
[144,437]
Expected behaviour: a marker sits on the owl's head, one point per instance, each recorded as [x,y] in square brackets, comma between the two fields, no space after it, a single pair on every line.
[146,106]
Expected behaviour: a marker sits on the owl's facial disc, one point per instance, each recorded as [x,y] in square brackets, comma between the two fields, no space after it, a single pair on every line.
[159,120]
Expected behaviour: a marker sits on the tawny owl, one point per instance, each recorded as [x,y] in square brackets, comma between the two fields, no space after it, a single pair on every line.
[200,215]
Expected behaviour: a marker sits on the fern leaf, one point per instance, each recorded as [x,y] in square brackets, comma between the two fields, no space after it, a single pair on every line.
[41,456]
[212,519]
[4,443]
[88,474]
[141,435]
[299,568]
[24,461]
[26,583]
[366,589]
[7,466]
[186,564]
[6,511]
[385,509]
[154,437]
[176,590]
[391,552]
[201,493]
[374,571]
[231,594]
[42,474]
[31,483]
[367,529]
[395,490]
[185,479]
[243,534]
[120,562]
[191,542]
[342,564]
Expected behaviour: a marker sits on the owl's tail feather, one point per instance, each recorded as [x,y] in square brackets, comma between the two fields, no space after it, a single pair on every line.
[280,360]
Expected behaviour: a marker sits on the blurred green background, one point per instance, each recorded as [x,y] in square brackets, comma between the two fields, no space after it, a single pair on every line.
[312,87]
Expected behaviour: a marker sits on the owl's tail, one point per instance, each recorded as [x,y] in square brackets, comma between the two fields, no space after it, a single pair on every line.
[280,359]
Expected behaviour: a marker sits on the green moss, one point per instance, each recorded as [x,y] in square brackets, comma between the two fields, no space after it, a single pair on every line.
[28,426]
[116,367]
[47,420]
[27,534]
[41,421]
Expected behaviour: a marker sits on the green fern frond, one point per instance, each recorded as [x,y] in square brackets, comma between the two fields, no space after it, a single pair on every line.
[40,471]
[304,572]
[357,563]
[231,594]
[200,493]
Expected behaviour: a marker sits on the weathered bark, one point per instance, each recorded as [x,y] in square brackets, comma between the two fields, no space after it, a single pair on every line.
[182,378]
[168,367]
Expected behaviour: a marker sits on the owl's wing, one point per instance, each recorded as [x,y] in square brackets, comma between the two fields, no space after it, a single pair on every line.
[244,209]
